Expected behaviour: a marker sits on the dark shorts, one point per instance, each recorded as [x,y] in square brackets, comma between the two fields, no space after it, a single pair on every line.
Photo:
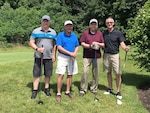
[48,67]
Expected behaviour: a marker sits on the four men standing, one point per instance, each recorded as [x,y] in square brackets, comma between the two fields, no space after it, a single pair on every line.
[42,40]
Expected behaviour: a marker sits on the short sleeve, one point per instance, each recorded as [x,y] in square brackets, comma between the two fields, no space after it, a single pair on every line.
[59,40]
[33,35]
[101,38]
[77,42]
[121,37]
[82,37]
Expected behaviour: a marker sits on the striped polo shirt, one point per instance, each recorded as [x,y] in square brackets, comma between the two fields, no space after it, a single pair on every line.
[44,38]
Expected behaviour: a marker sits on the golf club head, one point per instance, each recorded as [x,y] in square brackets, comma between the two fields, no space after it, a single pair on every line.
[96,99]
[40,102]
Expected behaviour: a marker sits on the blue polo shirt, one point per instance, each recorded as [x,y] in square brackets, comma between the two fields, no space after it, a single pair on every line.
[69,43]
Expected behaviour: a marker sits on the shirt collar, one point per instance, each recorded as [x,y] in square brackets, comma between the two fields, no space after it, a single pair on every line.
[67,35]
[92,33]
[44,31]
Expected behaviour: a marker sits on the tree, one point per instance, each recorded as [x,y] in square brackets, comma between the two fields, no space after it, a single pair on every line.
[139,35]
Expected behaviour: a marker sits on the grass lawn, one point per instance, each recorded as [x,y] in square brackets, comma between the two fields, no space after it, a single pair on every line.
[16,85]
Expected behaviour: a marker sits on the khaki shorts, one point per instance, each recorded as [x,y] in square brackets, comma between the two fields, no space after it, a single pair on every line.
[66,63]
[111,61]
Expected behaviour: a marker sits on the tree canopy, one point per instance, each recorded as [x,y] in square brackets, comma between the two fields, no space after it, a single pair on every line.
[19,17]
[139,35]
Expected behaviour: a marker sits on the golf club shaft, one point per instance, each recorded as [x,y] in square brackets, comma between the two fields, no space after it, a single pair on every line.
[41,63]
[125,60]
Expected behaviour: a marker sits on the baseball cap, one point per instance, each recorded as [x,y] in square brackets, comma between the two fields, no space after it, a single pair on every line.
[68,22]
[46,17]
[93,20]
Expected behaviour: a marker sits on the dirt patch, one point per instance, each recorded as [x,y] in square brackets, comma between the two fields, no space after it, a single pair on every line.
[144,95]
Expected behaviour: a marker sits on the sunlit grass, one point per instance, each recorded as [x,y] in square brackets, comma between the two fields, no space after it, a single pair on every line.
[16,85]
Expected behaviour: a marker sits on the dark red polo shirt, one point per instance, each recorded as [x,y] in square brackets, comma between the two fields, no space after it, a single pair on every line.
[88,38]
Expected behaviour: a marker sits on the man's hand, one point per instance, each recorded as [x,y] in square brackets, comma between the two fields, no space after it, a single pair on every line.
[73,54]
[41,50]
[53,58]
[127,48]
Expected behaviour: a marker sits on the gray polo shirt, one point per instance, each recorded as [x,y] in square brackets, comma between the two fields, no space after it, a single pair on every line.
[46,39]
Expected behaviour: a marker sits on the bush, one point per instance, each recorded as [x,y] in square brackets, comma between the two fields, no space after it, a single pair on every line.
[140,36]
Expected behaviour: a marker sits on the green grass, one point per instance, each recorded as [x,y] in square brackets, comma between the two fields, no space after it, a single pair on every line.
[16,85]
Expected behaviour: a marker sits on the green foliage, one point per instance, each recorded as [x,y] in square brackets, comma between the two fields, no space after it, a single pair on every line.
[140,36]
[19,17]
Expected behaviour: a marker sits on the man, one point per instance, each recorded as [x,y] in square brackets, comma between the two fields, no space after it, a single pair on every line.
[112,39]
[67,45]
[42,40]
[91,41]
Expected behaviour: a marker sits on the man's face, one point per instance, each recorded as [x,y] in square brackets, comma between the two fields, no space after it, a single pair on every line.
[93,26]
[68,28]
[45,23]
[110,23]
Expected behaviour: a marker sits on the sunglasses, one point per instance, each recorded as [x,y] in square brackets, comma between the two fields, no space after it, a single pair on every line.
[109,22]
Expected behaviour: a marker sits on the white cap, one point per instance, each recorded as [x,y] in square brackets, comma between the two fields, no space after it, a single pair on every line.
[93,20]
[68,22]
[46,17]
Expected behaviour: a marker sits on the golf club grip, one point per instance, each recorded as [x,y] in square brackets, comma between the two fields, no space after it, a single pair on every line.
[42,55]
[125,56]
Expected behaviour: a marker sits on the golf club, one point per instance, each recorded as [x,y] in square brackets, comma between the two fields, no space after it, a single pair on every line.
[95,94]
[40,102]
[95,97]
[125,58]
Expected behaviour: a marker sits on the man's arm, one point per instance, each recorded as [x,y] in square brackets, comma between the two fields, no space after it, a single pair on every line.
[60,48]
[34,46]
[123,45]
[85,45]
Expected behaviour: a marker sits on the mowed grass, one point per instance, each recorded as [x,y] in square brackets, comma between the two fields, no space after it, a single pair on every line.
[16,85]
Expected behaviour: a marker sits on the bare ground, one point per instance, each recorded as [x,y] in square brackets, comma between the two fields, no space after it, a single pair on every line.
[144,95]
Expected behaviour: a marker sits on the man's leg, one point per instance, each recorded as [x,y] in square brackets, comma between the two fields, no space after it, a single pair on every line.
[95,72]
[47,81]
[47,90]
[84,77]
[36,77]
[48,68]
[59,83]
[109,78]
[59,86]
[118,82]
[68,87]
[69,82]
[116,66]
[36,81]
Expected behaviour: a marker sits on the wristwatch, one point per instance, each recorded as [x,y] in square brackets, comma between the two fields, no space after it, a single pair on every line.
[36,49]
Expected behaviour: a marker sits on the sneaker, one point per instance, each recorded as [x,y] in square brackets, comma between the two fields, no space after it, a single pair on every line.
[69,95]
[34,94]
[109,91]
[47,92]
[58,98]
[118,95]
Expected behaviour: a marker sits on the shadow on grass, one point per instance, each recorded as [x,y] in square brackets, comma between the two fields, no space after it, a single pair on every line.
[134,79]
[100,87]
[53,87]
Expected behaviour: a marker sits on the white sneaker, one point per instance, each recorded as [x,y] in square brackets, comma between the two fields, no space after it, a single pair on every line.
[109,91]
[118,95]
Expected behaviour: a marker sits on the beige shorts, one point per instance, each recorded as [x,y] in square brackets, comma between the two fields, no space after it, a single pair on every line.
[111,61]
[66,63]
